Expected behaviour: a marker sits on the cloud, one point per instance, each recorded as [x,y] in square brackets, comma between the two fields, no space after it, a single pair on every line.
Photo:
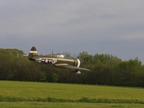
[61,18]
[73,26]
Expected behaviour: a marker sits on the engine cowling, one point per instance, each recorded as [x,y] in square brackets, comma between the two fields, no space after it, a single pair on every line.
[77,62]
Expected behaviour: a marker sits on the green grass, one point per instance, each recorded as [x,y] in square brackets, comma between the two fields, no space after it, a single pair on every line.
[66,105]
[35,94]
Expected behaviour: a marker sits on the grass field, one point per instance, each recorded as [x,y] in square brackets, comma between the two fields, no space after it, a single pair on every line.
[51,95]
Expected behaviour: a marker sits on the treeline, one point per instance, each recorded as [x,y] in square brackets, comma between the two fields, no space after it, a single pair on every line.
[105,70]
[110,70]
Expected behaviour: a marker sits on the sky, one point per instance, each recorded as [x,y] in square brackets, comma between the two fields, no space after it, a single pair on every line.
[113,27]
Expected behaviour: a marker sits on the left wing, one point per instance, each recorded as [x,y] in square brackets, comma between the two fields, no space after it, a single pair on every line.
[64,65]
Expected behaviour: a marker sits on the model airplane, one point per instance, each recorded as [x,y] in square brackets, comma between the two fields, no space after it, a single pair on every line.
[57,60]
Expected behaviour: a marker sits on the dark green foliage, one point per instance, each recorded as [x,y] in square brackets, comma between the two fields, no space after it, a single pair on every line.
[105,70]
[11,52]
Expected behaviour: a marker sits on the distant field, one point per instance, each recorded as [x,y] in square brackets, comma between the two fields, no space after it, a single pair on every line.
[42,95]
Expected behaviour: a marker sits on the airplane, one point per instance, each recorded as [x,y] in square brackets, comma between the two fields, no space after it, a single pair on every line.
[56,60]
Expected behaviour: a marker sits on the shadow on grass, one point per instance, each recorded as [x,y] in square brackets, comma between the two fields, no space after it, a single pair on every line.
[82,100]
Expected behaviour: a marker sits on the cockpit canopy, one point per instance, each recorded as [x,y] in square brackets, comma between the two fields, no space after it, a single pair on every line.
[60,56]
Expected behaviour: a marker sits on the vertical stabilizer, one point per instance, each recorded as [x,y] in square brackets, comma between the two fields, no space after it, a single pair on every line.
[33,54]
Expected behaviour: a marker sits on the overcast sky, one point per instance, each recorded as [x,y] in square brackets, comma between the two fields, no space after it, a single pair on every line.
[97,26]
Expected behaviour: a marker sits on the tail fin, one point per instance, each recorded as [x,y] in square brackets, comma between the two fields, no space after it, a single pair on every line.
[33,54]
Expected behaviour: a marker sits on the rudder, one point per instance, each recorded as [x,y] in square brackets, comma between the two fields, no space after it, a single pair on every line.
[33,54]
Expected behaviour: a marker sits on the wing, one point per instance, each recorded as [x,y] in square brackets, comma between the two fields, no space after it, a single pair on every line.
[64,65]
